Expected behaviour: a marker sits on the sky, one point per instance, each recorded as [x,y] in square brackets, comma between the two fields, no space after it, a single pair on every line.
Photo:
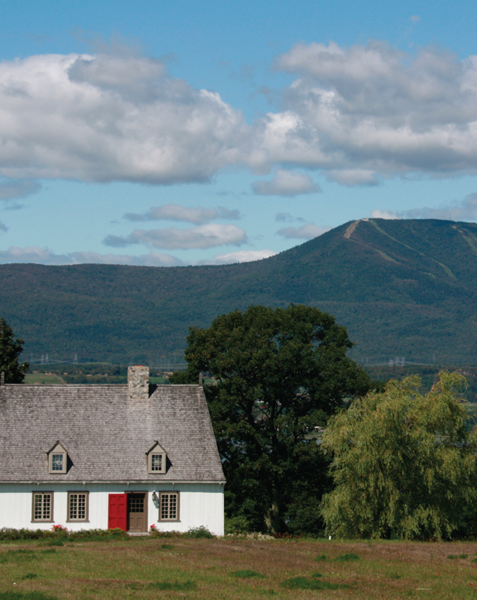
[167,134]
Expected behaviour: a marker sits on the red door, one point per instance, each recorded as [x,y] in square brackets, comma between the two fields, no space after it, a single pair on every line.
[118,511]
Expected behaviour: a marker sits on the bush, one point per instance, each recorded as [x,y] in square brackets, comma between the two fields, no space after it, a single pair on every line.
[238,524]
[199,532]
[56,538]
[26,596]
[8,534]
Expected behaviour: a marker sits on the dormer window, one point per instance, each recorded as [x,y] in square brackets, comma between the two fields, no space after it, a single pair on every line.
[156,459]
[57,459]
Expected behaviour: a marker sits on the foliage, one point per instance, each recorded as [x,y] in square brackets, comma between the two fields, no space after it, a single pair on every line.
[10,349]
[57,537]
[278,374]
[403,463]
[403,287]
[35,595]
[237,524]
[199,532]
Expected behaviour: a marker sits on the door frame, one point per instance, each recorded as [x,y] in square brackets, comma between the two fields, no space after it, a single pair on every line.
[146,494]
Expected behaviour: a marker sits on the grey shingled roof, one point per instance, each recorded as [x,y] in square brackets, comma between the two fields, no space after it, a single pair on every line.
[105,435]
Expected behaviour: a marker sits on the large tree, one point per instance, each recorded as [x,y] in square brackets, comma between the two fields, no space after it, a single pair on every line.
[11,348]
[278,374]
[403,463]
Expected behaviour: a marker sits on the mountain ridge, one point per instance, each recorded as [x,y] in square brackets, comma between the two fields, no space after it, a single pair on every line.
[402,287]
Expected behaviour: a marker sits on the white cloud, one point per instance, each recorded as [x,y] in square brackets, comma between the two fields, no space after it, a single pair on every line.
[373,111]
[238,257]
[463,210]
[11,189]
[176,212]
[203,236]
[359,114]
[286,183]
[384,214]
[44,256]
[3,227]
[353,177]
[415,18]
[305,232]
[104,117]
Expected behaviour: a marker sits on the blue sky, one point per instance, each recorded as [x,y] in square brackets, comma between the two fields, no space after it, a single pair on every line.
[159,133]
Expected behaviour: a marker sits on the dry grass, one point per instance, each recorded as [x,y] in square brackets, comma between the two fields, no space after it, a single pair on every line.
[206,569]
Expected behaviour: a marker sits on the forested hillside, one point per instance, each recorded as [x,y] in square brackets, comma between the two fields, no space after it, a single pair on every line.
[404,288]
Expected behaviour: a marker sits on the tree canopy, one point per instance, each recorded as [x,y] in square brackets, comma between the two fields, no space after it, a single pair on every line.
[11,348]
[403,463]
[278,375]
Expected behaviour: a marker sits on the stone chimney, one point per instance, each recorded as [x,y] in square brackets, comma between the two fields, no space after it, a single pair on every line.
[138,384]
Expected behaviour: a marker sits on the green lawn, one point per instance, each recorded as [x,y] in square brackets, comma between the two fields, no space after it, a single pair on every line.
[239,569]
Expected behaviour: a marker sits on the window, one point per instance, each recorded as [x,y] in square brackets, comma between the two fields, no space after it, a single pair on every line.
[57,462]
[42,506]
[168,506]
[156,459]
[78,506]
[156,462]
[57,459]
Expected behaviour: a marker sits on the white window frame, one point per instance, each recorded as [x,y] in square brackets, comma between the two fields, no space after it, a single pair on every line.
[162,500]
[71,519]
[42,519]
[156,450]
[55,451]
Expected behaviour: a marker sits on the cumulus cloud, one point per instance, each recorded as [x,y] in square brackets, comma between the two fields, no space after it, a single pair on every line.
[105,117]
[371,111]
[286,183]
[305,232]
[203,236]
[238,257]
[359,114]
[11,189]
[175,212]
[44,256]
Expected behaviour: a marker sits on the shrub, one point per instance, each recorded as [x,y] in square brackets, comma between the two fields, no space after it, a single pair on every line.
[238,524]
[26,596]
[199,532]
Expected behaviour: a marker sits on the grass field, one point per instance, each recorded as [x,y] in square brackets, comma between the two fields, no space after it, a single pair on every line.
[236,569]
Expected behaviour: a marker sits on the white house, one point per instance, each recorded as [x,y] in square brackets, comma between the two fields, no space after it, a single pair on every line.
[106,456]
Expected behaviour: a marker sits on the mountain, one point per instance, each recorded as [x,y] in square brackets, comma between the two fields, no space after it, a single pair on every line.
[402,288]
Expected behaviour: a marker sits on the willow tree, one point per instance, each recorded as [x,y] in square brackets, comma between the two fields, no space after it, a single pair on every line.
[403,463]
[278,374]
